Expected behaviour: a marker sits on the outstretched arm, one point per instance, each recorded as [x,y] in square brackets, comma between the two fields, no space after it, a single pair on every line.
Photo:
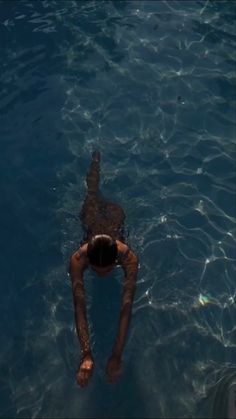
[130,266]
[77,266]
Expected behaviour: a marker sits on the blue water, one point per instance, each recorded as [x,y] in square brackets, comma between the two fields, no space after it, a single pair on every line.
[152,85]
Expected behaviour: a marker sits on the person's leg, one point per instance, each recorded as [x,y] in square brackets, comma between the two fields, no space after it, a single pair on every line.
[92,202]
[93,175]
[99,216]
[115,220]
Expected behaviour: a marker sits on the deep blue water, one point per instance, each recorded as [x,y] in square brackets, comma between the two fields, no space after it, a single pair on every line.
[152,85]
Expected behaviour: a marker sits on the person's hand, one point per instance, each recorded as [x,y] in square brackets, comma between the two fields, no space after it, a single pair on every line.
[85,371]
[114,368]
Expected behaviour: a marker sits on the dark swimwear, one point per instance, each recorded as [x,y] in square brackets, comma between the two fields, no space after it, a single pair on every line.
[99,216]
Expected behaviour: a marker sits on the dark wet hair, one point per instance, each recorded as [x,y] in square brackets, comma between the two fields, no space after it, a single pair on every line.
[102,250]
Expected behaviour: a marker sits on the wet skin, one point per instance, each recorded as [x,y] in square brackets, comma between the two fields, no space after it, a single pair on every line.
[114,364]
[78,264]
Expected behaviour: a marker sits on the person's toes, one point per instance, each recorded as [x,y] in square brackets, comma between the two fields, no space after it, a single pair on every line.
[96,155]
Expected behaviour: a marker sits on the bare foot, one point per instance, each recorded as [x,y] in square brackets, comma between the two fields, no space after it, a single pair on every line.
[96,156]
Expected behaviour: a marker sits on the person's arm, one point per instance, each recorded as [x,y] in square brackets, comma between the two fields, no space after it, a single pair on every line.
[77,266]
[130,266]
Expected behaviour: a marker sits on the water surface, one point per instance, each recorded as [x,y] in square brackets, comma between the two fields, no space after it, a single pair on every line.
[152,85]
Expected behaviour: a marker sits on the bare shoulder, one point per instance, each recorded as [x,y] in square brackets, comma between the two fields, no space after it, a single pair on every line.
[122,247]
[80,253]
[79,258]
[125,253]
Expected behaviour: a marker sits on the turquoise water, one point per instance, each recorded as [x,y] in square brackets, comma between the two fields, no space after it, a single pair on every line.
[152,85]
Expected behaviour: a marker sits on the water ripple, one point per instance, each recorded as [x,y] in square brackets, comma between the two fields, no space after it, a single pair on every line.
[151,84]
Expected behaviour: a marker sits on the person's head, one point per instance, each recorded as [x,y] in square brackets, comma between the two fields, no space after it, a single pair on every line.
[102,253]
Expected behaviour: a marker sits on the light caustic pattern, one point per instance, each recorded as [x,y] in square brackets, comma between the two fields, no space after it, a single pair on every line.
[160,108]
[151,84]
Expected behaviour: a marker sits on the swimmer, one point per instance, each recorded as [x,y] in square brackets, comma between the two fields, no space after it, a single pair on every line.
[103,248]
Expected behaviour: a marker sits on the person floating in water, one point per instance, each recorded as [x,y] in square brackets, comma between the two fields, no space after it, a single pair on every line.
[103,248]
